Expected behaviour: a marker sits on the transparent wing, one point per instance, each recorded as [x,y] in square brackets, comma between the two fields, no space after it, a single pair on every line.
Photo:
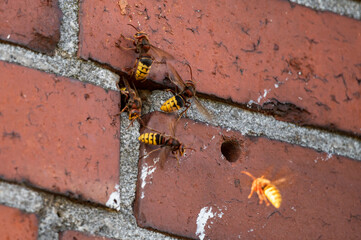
[172,125]
[163,155]
[283,177]
[174,77]
[135,90]
[279,181]
[159,53]
[202,109]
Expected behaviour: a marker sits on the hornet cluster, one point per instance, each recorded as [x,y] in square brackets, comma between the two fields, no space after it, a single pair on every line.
[147,55]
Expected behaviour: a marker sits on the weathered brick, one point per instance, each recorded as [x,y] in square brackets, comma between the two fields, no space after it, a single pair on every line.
[32,24]
[73,235]
[16,224]
[298,64]
[321,195]
[58,134]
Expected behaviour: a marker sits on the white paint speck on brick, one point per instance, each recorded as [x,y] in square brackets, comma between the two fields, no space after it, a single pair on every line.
[202,219]
[146,171]
[114,199]
[204,215]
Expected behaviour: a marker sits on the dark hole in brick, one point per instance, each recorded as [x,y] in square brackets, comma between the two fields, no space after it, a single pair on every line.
[59,214]
[231,150]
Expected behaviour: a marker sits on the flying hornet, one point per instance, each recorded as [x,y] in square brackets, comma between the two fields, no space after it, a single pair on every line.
[188,91]
[265,190]
[167,143]
[147,54]
[133,103]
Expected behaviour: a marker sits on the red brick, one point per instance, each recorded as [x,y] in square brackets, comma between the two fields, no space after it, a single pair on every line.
[32,24]
[58,134]
[321,196]
[303,66]
[16,224]
[73,235]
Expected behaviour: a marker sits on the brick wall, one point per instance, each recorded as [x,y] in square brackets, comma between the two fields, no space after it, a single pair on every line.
[281,80]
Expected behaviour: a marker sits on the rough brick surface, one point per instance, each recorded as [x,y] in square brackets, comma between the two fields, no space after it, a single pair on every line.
[58,133]
[32,24]
[73,235]
[300,65]
[206,195]
[16,224]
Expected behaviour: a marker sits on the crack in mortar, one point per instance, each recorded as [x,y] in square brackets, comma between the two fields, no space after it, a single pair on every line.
[256,124]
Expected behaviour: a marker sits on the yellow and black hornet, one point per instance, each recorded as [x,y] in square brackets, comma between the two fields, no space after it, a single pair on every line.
[188,91]
[133,103]
[167,143]
[265,190]
[147,53]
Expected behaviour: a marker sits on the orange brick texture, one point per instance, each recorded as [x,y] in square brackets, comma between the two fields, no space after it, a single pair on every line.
[32,24]
[319,190]
[56,133]
[61,137]
[279,58]
[16,224]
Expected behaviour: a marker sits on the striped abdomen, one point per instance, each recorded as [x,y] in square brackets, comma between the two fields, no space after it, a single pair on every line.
[143,68]
[273,195]
[173,104]
[152,138]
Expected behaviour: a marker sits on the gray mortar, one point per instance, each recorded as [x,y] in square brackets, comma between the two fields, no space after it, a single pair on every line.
[20,197]
[50,224]
[124,195]
[102,222]
[85,71]
[129,155]
[343,7]
[58,214]
[68,43]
